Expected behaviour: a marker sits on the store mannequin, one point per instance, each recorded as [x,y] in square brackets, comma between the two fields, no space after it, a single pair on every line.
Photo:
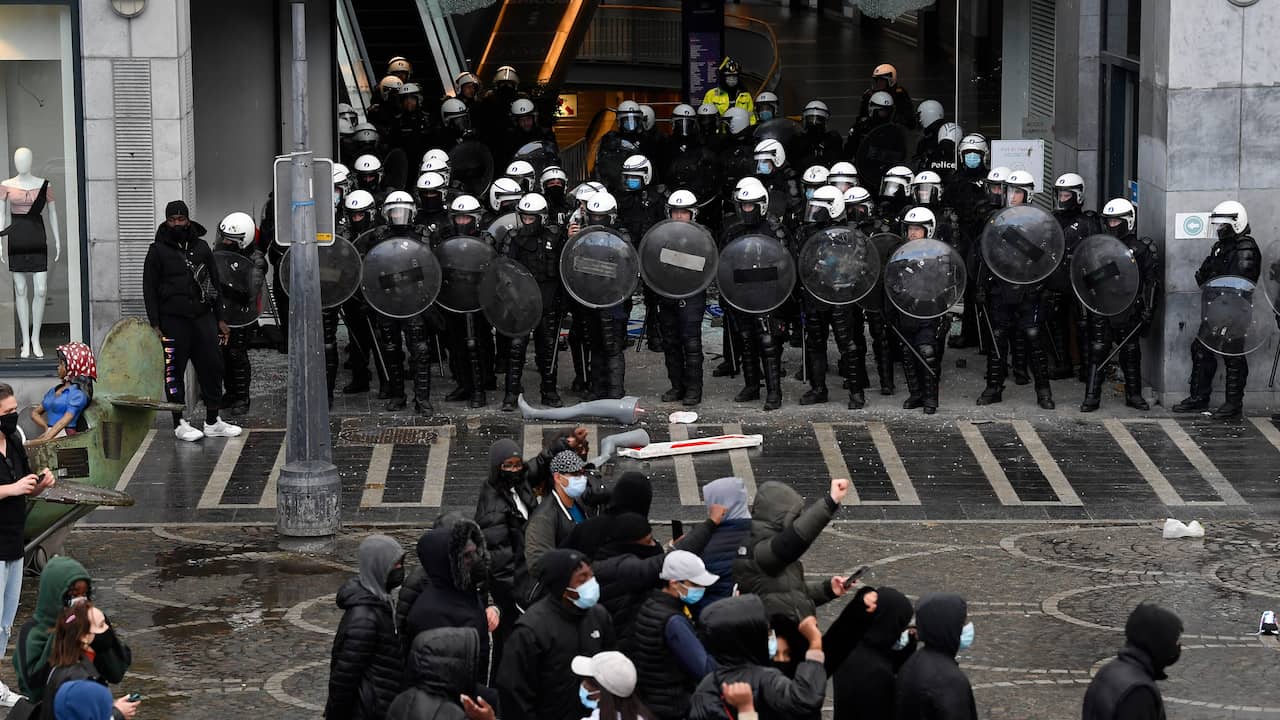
[26,212]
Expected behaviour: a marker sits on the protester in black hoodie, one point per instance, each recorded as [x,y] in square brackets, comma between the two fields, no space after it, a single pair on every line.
[442,678]
[931,685]
[456,562]
[502,511]
[632,493]
[180,289]
[365,670]
[1126,687]
[865,681]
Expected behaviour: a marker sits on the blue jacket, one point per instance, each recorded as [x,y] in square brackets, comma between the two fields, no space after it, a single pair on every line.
[718,557]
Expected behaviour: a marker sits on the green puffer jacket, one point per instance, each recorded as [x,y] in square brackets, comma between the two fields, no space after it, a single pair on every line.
[768,564]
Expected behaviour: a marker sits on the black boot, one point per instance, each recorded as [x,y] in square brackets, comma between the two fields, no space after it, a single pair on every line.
[931,377]
[1092,390]
[817,367]
[915,392]
[419,363]
[360,378]
[692,347]
[750,391]
[882,348]
[1018,351]
[1131,363]
[991,395]
[516,350]
[1203,366]
[1236,375]
[771,355]
[1038,359]
[1044,397]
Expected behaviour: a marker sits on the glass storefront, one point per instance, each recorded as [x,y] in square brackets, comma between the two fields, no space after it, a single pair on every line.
[40,280]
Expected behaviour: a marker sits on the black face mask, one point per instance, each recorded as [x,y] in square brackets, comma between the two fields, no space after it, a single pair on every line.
[395,578]
[509,478]
[1226,232]
[431,203]
[555,194]
[9,423]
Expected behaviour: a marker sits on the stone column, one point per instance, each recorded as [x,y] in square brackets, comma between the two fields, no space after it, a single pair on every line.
[1208,107]
[1077,121]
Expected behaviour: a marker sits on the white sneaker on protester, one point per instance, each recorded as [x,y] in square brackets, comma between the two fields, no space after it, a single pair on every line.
[8,698]
[185,432]
[221,428]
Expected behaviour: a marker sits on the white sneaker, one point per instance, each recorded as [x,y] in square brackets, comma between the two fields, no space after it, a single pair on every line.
[221,428]
[186,433]
[8,698]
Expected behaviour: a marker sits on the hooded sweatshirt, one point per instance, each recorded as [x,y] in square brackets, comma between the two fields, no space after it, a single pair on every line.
[502,521]
[452,597]
[931,685]
[366,665]
[731,534]
[442,666]
[83,700]
[1126,687]
[768,563]
[864,682]
[632,493]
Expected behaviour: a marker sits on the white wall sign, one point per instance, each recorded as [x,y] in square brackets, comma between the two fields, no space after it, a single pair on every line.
[1020,155]
[1192,226]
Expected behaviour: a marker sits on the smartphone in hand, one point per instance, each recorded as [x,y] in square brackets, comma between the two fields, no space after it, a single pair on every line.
[849,581]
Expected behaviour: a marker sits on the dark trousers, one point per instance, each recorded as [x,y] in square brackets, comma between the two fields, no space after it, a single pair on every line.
[195,340]
[237,369]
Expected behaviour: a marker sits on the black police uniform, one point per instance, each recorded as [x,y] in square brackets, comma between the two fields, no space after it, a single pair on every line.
[538,250]
[1128,328]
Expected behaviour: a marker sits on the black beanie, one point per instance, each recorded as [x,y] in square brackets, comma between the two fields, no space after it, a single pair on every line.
[558,567]
[176,207]
[629,528]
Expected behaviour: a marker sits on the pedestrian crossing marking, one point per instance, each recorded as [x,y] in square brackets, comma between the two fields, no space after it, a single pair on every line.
[1150,472]
[740,461]
[686,476]
[375,483]
[135,461]
[433,475]
[227,459]
[995,473]
[272,488]
[829,446]
[1268,430]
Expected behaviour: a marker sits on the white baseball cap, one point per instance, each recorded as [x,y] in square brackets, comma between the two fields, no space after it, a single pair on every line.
[684,565]
[611,670]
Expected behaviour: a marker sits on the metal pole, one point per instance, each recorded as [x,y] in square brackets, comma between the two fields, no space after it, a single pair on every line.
[309,491]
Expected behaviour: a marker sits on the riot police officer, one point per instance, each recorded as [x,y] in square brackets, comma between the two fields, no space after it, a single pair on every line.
[359,217]
[879,111]
[926,192]
[939,140]
[768,106]
[1014,310]
[237,234]
[555,186]
[778,178]
[470,353]
[607,327]
[382,114]
[895,191]
[525,176]
[964,193]
[728,92]
[536,245]
[504,194]
[455,115]
[816,144]
[524,129]
[1119,219]
[885,79]
[412,127]
[1061,308]
[759,335]
[433,216]
[369,177]
[579,326]
[639,207]
[860,209]
[844,176]
[619,144]
[681,322]
[1235,253]
[922,361]
[688,163]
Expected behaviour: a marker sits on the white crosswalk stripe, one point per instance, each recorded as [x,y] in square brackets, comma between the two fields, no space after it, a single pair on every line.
[832,455]
[1150,472]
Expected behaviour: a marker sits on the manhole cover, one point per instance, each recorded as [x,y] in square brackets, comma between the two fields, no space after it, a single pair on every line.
[348,436]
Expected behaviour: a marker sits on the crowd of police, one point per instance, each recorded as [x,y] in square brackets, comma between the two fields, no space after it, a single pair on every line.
[785,216]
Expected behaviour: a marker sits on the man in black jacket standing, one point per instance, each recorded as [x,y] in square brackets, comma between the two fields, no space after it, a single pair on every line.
[931,684]
[1126,687]
[180,288]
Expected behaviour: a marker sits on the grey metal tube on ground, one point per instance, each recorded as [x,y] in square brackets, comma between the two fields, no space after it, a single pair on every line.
[631,438]
[623,410]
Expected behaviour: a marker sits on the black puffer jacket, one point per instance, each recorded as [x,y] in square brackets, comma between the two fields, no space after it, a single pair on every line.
[737,635]
[534,681]
[627,572]
[366,668]
[769,563]
[503,527]
[451,597]
[168,286]
[442,666]
[864,682]
[931,685]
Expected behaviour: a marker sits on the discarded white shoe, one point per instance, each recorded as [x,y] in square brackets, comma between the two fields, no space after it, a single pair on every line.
[683,416]
[1195,528]
[1267,625]
[1174,529]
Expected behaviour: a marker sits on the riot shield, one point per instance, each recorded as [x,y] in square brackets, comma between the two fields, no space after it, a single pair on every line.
[613,151]
[1271,284]
[401,276]
[502,227]
[240,291]
[924,278]
[463,262]
[882,148]
[540,154]
[340,272]
[838,265]
[678,259]
[510,298]
[1023,245]
[756,273]
[884,244]
[1230,323]
[1104,275]
[599,268]
[471,165]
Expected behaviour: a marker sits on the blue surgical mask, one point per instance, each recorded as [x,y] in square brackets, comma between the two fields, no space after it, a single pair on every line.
[633,183]
[584,696]
[773,645]
[765,115]
[588,594]
[903,641]
[972,160]
[808,193]
[577,486]
[966,636]
[764,167]
[693,595]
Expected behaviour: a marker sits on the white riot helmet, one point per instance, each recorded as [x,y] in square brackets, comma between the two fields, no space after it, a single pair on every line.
[430,187]
[843,175]
[929,112]
[826,205]
[602,209]
[751,200]
[522,108]
[921,216]
[454,114]
[436,154]
[896,181]
[399,67]
[815,115]
[767,106]
[995,181]
[1120,211]
[553,175]
[814,177]
[399,208]
[341,183]
[347,119]
[858,203]
[504,193]
[1020,181]
[926,187]
[630,119]
[708,118]
[410,90]
[464,79]
[533,211]
[467,209]
[368,172]
[683,200]
[359,203]
[522,172]
[1230,214]
[882,103]
[650,118]
[435,165]
[772,152]
[389,87]
[636,167]
[950,132]
[1071,187]
[684,120]
[974,145]
[237,228]
[365,134]
[737,120]
[583,192]
[506,75]
[885,72]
